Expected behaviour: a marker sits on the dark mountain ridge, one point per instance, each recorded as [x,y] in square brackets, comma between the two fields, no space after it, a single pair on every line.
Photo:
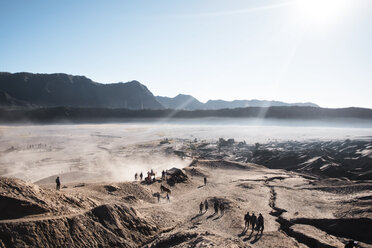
[51,90]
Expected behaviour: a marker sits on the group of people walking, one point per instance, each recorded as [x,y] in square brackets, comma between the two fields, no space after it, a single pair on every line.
[150,176]
[140,176]
[257,223]
[203,205]
[216,205]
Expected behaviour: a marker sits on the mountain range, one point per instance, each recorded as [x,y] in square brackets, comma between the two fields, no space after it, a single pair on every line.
[187,102]
[51,90]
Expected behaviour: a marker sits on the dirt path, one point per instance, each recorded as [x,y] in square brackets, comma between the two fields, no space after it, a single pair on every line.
[240,191]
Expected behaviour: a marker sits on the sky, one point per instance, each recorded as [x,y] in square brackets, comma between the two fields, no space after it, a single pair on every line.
[288,50]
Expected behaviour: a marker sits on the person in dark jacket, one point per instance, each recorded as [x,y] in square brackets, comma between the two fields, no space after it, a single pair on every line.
[201,205]
[247,219]
[253,221]
[216,207]
[222,209]
[58,184]
[260,224]
[206,205]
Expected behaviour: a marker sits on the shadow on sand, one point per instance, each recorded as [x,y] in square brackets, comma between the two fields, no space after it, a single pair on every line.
[244,232]
[211,216]
[249,237]
[220,216]
[198,215]
[257,237]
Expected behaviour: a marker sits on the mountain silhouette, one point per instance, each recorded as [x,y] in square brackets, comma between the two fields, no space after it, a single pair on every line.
[50,90]
[54,90]
[184,102]
[221,104]
[187,102]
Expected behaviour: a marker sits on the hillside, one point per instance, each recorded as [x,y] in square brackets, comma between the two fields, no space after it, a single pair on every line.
[7,101]
[50,90]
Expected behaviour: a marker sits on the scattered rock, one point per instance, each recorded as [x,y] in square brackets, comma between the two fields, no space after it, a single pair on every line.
[176,175]
[111,188]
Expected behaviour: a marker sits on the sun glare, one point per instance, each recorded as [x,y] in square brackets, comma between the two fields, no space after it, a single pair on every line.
[322,13]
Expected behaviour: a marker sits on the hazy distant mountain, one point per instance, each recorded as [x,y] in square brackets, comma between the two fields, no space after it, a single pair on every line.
[48,90]
[220,104]
[185,102]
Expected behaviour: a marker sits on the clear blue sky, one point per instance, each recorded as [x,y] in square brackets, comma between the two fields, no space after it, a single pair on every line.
[289,50]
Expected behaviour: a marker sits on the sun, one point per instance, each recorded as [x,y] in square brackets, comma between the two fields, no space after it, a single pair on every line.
[322,13]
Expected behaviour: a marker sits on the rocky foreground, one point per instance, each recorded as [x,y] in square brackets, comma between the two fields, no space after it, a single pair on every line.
[299,211]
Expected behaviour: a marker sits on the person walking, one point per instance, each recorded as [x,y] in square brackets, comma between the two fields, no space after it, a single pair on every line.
[216,207]
[206,205]
[205,181]
[58,184]
[222,209]
[141,176]
[168,198]
[201,207]
[253,221]
[260,223]
[247,219]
